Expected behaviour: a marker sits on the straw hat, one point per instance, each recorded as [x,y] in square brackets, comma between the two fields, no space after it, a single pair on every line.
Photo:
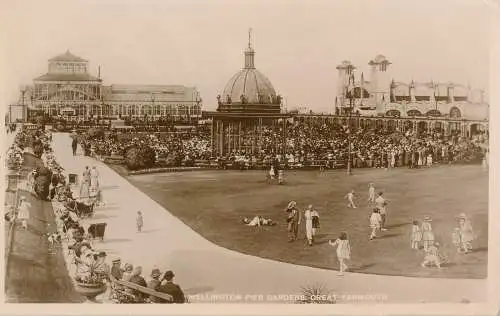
[155,273]
[292,204]
[427,219]
[462,215]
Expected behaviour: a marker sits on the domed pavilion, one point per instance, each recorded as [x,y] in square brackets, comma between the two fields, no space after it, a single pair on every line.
[249,91]
[247,104]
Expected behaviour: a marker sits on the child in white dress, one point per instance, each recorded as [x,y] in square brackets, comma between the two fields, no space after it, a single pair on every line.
[456,239]
[350,199]
[375,222]
[343,251]
[416,235]
[429,160]
[371,193]
[272,174]
[427,234]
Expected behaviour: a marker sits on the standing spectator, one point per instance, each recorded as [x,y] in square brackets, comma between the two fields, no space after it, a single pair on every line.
[74,145]
[350,199]
[466,232]
[416,235]
[371,193]
[85,187]
[94,178]
[343,251]
[293,221]
[24,212]
[139,221]
[375,221]
[381,204]
[309,224]
[172,289]
[427,234]
[315,222]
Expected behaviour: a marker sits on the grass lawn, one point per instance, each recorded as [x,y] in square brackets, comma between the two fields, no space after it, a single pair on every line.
[213,203]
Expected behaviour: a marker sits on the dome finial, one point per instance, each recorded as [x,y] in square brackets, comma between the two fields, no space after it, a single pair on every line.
[250,38]
[249,53]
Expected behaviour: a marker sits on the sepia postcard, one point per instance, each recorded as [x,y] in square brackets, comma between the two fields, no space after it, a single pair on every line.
[250,157]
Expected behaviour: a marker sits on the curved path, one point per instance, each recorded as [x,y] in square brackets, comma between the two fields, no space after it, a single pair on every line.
[206,268]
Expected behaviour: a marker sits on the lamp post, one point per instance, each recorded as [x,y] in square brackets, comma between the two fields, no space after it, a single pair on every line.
[349,141]
[24,89]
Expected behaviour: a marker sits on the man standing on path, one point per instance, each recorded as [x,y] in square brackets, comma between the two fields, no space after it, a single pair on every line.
[74,145]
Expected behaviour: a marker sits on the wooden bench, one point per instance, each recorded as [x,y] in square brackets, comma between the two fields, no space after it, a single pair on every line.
[117,284]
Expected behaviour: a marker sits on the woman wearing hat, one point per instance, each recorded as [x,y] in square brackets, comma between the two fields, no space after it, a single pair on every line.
[154,284]
[427,234]
[466,232]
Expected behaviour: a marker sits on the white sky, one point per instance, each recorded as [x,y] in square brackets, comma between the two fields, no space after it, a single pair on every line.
[298,43]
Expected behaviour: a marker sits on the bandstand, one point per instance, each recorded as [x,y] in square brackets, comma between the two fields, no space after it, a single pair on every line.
[248,112]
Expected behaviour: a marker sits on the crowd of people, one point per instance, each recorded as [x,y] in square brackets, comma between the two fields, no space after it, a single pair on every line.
[307,143]
[422,237]
[91,263]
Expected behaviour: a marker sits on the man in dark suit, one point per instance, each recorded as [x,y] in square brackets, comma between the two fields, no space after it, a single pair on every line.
[171,288]
[74,145]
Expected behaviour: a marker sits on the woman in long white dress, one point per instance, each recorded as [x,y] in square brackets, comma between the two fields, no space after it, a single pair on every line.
[272,173]
[343,251]
[466,232]
[309,224]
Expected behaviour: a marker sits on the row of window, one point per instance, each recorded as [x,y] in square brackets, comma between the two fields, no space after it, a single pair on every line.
[135,110]
[68,67]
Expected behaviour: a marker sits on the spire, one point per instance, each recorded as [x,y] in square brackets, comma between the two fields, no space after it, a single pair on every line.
[250,39]
[99,72]
[249,53]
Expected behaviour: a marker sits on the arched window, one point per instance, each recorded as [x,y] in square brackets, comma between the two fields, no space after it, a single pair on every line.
[394,113]
[414,113]
[433,113]
[455,112]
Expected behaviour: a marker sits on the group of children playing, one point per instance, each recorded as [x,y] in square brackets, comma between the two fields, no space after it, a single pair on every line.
[422,235]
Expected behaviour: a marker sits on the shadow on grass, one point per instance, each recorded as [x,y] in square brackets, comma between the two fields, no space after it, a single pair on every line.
[362,267]
[480,249]
[150,231]
[398,225]
[385,236]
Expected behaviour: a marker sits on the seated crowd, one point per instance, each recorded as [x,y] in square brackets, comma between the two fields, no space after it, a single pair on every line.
[310,143]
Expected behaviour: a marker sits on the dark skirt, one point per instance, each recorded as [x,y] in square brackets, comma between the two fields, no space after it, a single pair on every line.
[315,222]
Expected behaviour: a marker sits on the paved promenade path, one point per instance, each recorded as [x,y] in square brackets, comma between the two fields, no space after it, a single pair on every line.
[205,268]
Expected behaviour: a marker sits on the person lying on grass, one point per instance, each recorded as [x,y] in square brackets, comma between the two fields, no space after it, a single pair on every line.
[258,221]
